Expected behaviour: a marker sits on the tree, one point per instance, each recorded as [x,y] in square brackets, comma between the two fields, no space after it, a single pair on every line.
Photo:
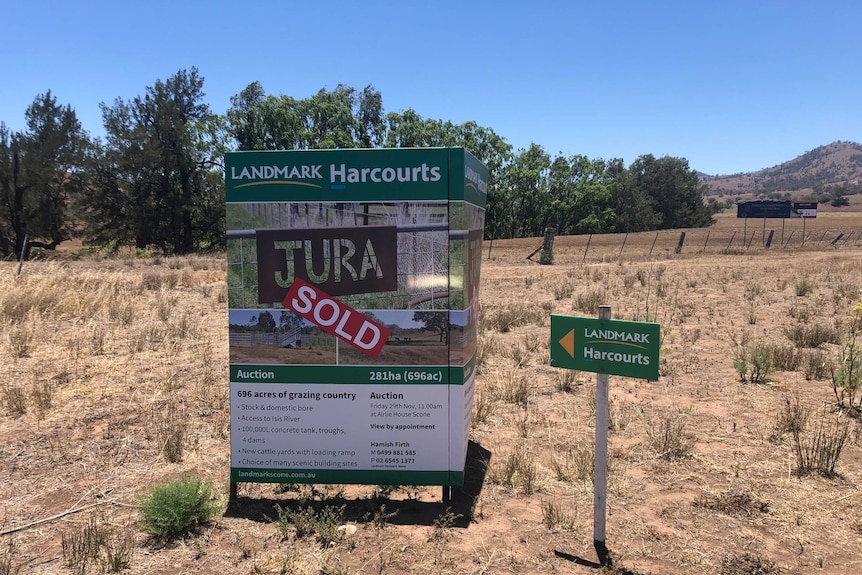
[265,322]
[288,321]
[341,118]
[157,180]
[674,189]
[40,173]
[434,321]
[518,206]
[632,207]
[580,196]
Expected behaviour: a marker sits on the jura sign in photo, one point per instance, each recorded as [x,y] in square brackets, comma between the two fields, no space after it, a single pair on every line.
[353,280]
[339,261]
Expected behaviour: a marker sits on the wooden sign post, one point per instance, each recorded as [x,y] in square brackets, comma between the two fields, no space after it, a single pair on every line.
[604,346]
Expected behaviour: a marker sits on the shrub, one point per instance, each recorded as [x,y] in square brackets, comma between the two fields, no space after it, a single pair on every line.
[846,372]
[7,563]
[563,291]
[815,364]
[483,408]
[171,432]
[306,522]
[804,335]
[515,316]
[590,300]
[555,514]
[577,464]
[517,470]
[20,339]
[15,399]
[669,438]
[565,380]
[175,507]
[819,451]
[793,418]
[784,357]
[753,365]
[97,544]
[512,386]
[804,286]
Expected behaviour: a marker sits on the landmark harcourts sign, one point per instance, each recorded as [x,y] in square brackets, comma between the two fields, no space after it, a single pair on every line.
[353,281]
[613,347]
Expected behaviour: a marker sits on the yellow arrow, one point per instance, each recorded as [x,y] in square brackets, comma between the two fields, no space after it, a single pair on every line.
[568,343]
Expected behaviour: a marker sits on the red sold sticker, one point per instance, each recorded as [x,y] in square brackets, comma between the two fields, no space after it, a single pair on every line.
[335,318]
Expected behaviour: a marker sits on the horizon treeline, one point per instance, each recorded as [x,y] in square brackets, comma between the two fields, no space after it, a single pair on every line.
[156,180]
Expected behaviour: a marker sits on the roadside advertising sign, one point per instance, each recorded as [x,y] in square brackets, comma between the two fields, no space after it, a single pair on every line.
[614,347]
[353,280]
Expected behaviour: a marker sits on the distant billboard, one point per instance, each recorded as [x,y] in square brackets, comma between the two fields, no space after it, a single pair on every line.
[764,209]
[806,209]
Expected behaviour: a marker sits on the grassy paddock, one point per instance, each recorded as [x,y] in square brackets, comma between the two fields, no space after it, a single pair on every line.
[116,381]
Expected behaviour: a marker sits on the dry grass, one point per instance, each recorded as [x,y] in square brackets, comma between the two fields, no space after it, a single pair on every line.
[87,417]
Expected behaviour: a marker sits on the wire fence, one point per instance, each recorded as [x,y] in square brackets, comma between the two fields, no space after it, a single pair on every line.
[607,247]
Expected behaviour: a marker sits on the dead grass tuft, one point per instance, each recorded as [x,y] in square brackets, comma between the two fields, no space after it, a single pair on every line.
[736,503]
[748,564]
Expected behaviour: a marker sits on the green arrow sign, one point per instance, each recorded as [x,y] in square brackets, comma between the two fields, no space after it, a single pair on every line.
[615,347]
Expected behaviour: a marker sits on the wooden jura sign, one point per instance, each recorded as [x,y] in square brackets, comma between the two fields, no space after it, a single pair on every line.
[338,261]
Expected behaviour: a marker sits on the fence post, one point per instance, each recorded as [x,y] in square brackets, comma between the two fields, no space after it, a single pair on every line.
[751,240]
[681,241]
[705,242]
[769,239]
[547,256]
[731,240]
[589,239]
[653,244]
[21,261]
[625,238]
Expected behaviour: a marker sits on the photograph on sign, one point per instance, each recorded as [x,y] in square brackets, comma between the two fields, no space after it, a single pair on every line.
[415,337]
[353,280]
[381,255]
[462,336]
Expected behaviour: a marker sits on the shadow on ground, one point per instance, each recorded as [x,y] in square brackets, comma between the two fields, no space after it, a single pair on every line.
[610,567]
[457,512]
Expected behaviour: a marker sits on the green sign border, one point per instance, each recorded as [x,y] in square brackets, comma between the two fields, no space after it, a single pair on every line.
[347,476]
[635,345]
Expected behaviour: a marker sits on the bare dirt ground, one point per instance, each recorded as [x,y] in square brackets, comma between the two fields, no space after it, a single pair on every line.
[133,352]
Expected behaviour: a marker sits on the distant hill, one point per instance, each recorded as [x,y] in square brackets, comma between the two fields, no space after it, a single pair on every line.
[836,164]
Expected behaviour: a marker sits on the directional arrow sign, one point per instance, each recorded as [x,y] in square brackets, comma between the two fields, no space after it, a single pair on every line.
[568,343]
[615,347]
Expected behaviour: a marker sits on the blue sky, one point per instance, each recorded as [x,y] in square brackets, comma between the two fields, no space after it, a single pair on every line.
[731,85]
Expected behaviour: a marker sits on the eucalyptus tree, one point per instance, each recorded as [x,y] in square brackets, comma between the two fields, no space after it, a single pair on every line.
[580,196]
[518,206]
[40,173]
[340,118]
